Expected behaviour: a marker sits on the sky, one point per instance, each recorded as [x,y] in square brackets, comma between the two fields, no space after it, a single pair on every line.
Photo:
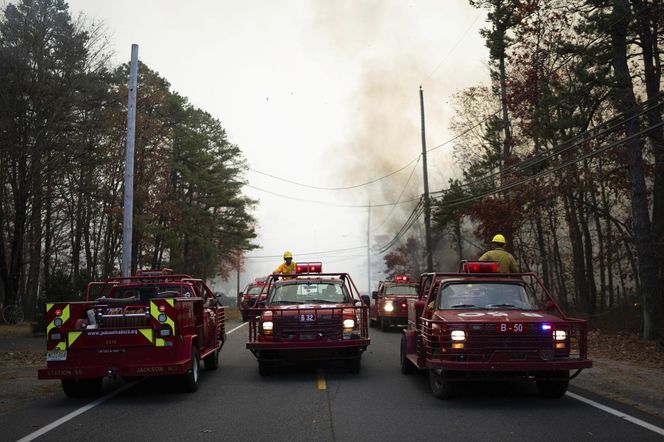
[323,93]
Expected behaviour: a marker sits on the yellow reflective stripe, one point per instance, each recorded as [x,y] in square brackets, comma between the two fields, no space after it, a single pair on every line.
[160,342]
[49,306]
[72,336]
[147,332]
[64,316]
[154,312]
[61,346]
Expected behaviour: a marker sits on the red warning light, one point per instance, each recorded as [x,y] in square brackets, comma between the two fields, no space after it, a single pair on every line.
[480,267]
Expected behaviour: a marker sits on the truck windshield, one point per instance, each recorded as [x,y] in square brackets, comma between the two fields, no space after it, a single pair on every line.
[309,293]
[254,290]
[406,290]
[486,295]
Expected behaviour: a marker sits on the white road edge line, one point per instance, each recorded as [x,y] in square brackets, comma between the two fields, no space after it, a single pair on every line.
[619,414]
[90,406]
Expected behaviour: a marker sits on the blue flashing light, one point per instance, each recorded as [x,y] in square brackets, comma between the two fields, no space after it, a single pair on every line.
[546,327]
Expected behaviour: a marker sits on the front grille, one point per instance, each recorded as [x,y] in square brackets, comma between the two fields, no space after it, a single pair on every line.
[292,329]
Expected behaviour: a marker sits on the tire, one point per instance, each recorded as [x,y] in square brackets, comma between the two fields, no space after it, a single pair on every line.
[76,388]
[384,324]
[441,387]
[190,378]
[265,368]
[407,367]
[556,386]
[354,365]
[245,315]
[211,361]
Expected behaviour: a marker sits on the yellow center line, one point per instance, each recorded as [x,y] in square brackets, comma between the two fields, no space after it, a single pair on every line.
[322,385]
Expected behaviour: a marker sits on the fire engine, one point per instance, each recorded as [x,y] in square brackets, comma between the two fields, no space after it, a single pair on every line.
[153,324]
[390,306]
[249,296]
[309,315]
[481,324]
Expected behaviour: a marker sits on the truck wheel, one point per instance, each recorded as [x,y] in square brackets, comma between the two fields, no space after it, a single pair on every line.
[76,388]
[190,378]
[556,386]
[441,387]
[384,324]
[245,315]
[211,361]
[406,366]
[354,365]
[265,367]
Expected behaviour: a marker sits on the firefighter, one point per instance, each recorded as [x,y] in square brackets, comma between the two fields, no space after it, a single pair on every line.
[506,262]
[288,266]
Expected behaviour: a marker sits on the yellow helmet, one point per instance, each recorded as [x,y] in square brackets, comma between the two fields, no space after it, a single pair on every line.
[288,254]
[500,239]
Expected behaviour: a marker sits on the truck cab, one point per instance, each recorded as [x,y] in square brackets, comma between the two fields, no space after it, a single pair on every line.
[309,315]
[481,324]
[155,323]
[248,297]
[390,302]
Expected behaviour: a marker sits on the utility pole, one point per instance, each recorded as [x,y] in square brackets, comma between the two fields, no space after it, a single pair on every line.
[129,164]
[239,262]
[369,250]
[427,202]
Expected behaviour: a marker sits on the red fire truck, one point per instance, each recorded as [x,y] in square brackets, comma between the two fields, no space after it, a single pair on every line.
[309,315]
[480,324]
[248,297]
[390,306]
[153,324]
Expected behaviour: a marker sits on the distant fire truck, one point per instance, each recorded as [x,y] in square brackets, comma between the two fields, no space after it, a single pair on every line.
[309,315]
[480,324]
[390,306]
[248,297]
[153,324]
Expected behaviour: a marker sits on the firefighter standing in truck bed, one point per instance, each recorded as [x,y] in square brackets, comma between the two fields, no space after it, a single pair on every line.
[288,266]
[506,262]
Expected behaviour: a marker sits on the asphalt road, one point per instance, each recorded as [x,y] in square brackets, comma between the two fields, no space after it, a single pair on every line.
[322,403]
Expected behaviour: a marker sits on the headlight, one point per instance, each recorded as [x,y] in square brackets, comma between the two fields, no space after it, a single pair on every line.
[388,307]
[267,325]
[458,335]
[560,335]
[349,323]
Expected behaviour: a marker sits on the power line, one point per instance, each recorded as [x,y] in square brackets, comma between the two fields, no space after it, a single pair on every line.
[412,172]
[309,253]
[324,203]
[567,145]
[355,186]
[590,154]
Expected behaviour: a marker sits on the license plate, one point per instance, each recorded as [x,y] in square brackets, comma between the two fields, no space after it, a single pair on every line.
[56,355]
[308,317]
[511,328]
[307,336]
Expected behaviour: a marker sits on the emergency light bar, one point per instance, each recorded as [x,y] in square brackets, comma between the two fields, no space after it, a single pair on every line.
[154,272]
[480,267]
[401,278]
[260,280]
[309,267]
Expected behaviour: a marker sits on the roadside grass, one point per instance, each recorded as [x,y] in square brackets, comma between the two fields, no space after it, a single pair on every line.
[22,330]
[232,314]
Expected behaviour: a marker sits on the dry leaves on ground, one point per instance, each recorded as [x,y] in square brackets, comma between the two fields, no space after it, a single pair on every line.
[625,346]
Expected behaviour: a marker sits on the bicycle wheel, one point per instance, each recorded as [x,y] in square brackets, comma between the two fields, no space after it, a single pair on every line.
[12,314]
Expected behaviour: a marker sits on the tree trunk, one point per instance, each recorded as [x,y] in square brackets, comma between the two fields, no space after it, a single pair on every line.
[626,101]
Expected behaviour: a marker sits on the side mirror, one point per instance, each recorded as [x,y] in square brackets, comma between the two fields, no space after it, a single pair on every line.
[366,299]
[374,294]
